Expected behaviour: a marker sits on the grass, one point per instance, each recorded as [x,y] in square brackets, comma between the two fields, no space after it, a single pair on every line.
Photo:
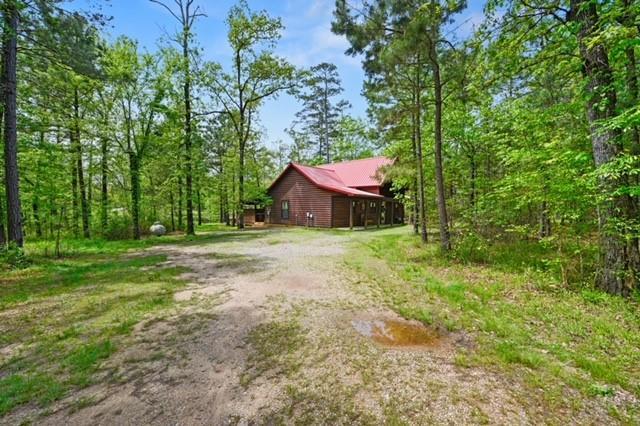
[275,345]
[521,317]
[62,318]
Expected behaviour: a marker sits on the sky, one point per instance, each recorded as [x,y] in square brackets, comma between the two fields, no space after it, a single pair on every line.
[307,40]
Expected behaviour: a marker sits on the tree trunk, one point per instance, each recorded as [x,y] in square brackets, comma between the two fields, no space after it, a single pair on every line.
[416,199]
[545,221]
[632,76]
[242,140]
[473,176]
[58,232]
[35,205]
[620,260]
[75,211]
[187,131]
[90,186]
[84,205]
[9,86]
[199,206]
[632,83]
[240,213]
[417,137]
[445,241]
[3,219]
[325,111]
[221,199]
[173,220]
[233,198]
[104,188]
[3,235]
[134,171]
[35,200]
[53,213]
[180,227]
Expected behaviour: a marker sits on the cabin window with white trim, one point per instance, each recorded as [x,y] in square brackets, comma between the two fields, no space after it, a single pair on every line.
[284,209]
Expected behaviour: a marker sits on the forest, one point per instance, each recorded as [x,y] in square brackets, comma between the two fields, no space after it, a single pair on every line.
[507,293]
[526,130]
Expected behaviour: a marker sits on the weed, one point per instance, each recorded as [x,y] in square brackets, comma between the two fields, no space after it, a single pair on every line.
[274,349]
[514,307]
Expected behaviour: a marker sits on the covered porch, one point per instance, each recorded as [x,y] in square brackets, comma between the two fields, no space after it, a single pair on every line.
[354,212]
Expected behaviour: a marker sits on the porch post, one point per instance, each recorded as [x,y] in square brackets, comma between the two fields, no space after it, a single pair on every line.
[366,213]
[393,205]
[350,213]
[378,214]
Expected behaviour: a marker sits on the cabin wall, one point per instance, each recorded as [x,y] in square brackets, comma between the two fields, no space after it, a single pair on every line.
[371,189]
[340,212]
[303,197]
[249,217]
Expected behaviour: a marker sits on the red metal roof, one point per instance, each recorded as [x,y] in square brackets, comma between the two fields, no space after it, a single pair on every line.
[345,177]
[359,173]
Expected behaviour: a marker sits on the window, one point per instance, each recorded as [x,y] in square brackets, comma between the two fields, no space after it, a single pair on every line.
[284,209]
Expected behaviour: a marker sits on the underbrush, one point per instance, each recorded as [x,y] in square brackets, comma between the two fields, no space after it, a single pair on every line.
[521,315]
[570,261]
[13,258]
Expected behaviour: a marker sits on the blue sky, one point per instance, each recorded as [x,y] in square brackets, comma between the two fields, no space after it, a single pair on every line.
[306,41]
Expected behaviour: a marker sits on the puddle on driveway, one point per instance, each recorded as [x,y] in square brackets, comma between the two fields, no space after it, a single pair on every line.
[399,333]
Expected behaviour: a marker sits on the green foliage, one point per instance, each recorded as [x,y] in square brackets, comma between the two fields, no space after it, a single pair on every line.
[320,118]
[521,322]
[18,389]
[13,257]
[256,74]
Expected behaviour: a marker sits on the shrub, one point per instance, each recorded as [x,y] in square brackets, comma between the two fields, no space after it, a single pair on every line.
[13,257]
[471,248]
[119,228]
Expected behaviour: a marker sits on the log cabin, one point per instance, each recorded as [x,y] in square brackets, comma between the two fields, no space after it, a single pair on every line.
[338,195]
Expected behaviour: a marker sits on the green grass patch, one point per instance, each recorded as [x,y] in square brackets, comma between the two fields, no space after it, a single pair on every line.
[274,346]
[17,389]
[523,319]
[62,318]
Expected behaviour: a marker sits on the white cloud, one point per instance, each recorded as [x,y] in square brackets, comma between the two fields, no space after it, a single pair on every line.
[323,39]
[319,44]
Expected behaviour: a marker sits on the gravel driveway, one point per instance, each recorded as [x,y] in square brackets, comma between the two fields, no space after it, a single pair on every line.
[264,334]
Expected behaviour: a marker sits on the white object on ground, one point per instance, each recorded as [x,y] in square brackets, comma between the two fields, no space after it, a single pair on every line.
[158,229]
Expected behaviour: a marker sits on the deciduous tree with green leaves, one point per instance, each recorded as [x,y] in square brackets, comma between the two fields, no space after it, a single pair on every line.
[256,74]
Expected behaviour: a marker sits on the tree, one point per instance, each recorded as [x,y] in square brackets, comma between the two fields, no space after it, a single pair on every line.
[320,116]
[426,29]
[354,139]
[408,34]
[621,256]
[3,235]
[591,32]
[11,18]
[186,16]
[257,74]
[141,90]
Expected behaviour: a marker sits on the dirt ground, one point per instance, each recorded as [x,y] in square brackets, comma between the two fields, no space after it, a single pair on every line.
[264,334]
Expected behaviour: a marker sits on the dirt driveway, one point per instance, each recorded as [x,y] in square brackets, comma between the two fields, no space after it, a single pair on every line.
[274,328]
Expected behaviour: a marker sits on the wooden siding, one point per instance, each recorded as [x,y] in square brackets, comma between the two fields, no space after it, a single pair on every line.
[249,217]
[340,212]
[372,189]
[303,197]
